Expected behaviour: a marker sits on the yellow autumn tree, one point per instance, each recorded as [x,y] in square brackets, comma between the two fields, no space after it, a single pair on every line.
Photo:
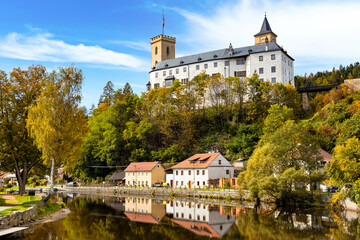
[56,121]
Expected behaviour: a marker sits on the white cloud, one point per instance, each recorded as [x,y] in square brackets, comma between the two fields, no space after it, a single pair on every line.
[41,47]
[142,46]
[307,29]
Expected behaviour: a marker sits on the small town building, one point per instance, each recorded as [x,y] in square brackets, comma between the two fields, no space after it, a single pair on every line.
[118,177]
[144,174]
[201,170]
[8,175]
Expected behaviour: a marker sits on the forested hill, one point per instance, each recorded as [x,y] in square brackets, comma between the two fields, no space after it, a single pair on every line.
[170,124]
[336,76]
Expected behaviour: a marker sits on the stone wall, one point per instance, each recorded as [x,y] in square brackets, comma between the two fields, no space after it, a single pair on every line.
[17,218]
[353,84]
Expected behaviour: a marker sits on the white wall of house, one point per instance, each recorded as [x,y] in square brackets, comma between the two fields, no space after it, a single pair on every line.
[219,167]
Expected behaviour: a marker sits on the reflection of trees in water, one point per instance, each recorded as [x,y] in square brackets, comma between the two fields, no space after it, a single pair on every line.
[91,218]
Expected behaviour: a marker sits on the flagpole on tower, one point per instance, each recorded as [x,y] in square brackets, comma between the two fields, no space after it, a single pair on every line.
[163,23]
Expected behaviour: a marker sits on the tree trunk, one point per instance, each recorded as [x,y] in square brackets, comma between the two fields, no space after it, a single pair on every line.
[52,176]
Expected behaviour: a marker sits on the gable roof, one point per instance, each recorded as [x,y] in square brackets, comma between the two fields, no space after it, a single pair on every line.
[141,166]
[327,156]
[117,175]
[197,161]
[217,55]
[199,228]
[265,28]
[144,218]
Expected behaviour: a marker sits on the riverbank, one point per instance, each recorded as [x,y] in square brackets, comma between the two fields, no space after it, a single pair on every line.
[55,216]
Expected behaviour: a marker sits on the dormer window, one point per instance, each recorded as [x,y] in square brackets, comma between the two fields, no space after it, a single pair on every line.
[166,65]
[219,162]
[199,59]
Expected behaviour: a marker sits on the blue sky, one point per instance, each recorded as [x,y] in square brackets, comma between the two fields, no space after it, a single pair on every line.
[109,40]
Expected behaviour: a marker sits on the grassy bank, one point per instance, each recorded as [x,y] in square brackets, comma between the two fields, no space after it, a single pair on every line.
[20,203]
[49,208]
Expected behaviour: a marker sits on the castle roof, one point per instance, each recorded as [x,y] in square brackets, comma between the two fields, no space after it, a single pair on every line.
[220,54]
[265,28]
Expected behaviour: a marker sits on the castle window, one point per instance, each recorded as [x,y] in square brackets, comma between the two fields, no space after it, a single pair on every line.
[148,87]
[215,64]
[205,66]
[170,72]
[177,71]
[164,73]
[167,51]
[184,69]
[261,58]
[156,85]
[156,50]
[184,81]
[240,74]
[261,70]
[273,69]
[226,63]
[273,80]
[197,67]
[156,75]
[272,56]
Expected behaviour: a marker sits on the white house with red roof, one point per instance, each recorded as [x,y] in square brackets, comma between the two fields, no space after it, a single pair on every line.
[144,174]
[198,170]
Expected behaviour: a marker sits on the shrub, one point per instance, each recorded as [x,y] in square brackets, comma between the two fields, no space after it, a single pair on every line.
[115,192]
[172,194]
[228,198]
[226,184]
[62,205]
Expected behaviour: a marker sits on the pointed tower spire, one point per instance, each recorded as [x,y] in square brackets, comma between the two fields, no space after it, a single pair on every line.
[265,31]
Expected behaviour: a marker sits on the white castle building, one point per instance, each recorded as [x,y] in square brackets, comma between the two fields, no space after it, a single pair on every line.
[270,61]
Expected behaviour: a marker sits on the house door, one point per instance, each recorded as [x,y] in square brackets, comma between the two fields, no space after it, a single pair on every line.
[189,184]
[171,183]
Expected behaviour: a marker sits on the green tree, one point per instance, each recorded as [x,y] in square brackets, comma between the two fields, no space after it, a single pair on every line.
[108,94]
[56,121]
[17,149]
[344,170]
[277,117]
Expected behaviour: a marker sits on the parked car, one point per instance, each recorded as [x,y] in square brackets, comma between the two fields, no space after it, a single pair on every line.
[157,185]
[72,184]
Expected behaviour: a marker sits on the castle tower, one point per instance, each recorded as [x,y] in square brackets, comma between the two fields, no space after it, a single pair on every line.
[265,34]
[162,48]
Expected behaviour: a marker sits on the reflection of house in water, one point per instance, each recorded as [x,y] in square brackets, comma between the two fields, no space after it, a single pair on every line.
[199,218]
[144,210]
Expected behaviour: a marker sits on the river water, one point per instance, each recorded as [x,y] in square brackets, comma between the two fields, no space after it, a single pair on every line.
[100,217]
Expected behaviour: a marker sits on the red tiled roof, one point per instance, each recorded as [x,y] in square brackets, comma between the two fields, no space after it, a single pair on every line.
[199,228]
[197,161]
[145,218]
[141,166]
[3,174]
[327,156]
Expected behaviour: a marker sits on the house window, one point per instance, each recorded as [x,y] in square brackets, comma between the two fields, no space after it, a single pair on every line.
[189,172]
[198,183]
[177,215]
[240,74]
[261,58]
[177,71]
[177,183]
[156,85]
[182,173]
[156,75]
[138,173]
[198,217]
[164,73]
[219,162]
[197,67]
[227,171]
[226,63]
[182,215]
[203,172]
[215,64]
[261,70]
[142,173]
[205,66]
[203,183]
[184,81]
[189,216]
[273,69]
[204,218]
[146,173]
[184,69]
[182,183]
[197,173]
[177,173]
[170,72]
[133,173]
[158,166]
[272,56]
[240,62]
[273,80]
